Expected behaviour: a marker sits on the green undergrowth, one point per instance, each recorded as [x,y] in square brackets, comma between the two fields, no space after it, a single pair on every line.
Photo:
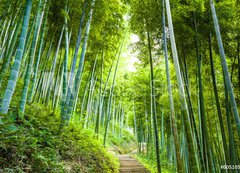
[119,140]
[149,162]
[35,145]
[121,144]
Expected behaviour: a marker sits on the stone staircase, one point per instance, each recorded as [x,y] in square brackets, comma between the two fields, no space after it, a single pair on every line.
[130,165]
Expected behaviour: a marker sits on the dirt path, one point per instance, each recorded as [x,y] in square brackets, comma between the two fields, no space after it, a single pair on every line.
[129,165]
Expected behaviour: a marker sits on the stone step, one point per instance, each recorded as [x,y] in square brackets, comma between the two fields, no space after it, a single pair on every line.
[127,158]
[132,170]
[130,165]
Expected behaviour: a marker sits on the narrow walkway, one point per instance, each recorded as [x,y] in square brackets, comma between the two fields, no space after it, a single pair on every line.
[129,165]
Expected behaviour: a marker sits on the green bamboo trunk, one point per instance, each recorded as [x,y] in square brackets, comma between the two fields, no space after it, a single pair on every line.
[40,51]
[225,69]
[154,111]
[65,81]
[90,93]
[53,67]
[224,141]
[31,58]
[17,62]
[99,97]
[10,51]
[194,165]
[73,66]
[175,132]
[74,97]
[109,110]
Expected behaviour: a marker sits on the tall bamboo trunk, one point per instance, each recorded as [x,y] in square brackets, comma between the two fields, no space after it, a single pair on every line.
[39,55]
[154,111]
[225,69]
[17,62]
[194,165]
[224,141]
[99,97]
[74,97]
[65,70]
[173,123]
[9,54]
[73,66]
[111,96]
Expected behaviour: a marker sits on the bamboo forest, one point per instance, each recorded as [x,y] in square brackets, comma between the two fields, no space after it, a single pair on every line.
[119,86]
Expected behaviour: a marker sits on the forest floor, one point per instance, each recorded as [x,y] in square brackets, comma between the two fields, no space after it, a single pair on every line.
[130,165]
